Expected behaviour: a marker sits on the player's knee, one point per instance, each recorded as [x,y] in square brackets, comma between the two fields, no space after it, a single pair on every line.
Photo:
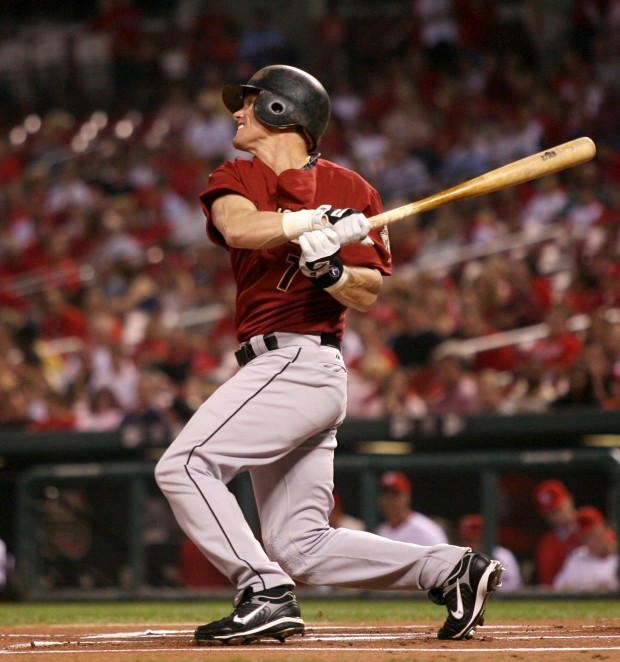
[173,473]
[293,564]
[291,558]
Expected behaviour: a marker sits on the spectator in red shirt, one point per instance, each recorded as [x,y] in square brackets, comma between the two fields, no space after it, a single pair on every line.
[556,505]
[560,347]
[584,294]
[61,319]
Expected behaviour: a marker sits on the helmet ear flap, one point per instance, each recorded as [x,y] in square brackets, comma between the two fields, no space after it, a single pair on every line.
[277,108]
[273,109]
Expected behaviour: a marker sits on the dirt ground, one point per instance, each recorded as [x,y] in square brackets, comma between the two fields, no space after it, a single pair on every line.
[558,642]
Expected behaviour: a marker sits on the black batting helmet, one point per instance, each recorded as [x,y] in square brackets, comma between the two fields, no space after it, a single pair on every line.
[287,97]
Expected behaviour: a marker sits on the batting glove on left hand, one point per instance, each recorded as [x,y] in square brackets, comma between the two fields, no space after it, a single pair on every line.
[319,258]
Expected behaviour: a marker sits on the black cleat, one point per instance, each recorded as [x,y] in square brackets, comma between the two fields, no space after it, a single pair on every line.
[465,594]
[273,613]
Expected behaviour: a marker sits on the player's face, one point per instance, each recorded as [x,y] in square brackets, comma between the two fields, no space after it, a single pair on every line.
[250,130]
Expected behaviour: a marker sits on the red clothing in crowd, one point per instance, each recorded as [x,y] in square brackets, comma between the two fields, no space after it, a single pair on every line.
[65,323]
[195,571]
[123,23]
[551,553]
[498,358]
[11,165]
[557,351]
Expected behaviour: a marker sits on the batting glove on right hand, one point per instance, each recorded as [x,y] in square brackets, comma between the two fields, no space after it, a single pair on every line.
[350,225]
[319,258]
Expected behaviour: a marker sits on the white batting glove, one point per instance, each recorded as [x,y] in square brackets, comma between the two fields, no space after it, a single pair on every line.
[350,224]
[319,259]
[318,245]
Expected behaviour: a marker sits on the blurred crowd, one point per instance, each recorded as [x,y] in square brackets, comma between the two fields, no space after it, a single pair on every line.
[562,547]
[116,309]
[556,543]
[575,549]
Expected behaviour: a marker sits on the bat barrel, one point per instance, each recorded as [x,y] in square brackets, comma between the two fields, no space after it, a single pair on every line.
[547,162]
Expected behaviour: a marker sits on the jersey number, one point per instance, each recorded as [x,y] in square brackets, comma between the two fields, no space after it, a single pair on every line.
[289,274]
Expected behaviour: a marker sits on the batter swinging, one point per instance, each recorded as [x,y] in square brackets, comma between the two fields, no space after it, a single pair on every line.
[296,229]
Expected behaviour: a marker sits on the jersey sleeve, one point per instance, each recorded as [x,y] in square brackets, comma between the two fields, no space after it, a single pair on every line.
[377,256]
[224,179]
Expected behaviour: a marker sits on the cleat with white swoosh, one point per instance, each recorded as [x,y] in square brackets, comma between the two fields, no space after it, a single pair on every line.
[465,594]
[273,613]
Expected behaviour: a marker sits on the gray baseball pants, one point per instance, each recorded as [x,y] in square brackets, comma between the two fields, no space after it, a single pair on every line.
[277,417]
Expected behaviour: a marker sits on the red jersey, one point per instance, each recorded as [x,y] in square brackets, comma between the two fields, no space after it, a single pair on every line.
[272,294]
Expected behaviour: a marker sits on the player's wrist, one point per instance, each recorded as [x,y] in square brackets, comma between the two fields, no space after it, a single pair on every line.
[325,272]
[295,223]
[339,283]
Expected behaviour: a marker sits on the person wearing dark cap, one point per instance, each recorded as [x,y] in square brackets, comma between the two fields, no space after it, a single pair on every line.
[470,532]
[556,505]
[401,522]
[593,564]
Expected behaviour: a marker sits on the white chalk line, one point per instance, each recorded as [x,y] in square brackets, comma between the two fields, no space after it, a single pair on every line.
[311,628]
[42,643]
[322,649]
[108,639]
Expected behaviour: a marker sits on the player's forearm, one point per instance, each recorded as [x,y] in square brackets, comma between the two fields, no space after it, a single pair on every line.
[252,230]
[243,226]
[358,288]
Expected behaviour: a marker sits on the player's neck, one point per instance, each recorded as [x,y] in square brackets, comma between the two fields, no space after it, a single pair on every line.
[286,151]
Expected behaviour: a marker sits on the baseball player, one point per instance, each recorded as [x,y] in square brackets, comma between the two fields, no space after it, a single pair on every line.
[297,233]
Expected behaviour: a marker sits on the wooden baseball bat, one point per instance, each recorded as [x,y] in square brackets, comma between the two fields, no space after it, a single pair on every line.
[531,167]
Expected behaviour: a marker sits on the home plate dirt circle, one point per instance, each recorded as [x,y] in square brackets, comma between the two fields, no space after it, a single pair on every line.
[560,641]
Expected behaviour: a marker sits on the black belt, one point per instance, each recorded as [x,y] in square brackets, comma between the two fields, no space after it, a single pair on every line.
[246,352]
